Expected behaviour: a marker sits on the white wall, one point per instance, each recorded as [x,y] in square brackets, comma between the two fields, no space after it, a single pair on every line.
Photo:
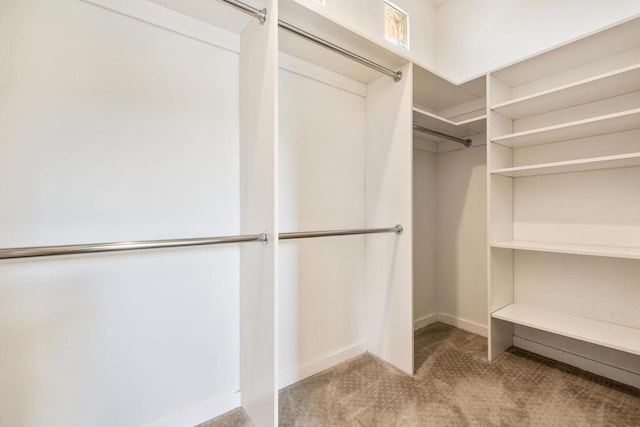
[367,16]
[321,287]
[475,36]
[462,233]
[112,129]
[425,303]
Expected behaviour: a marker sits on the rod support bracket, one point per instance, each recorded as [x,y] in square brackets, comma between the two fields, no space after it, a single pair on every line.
[399,229]
[262,16]
[398,76]
[468,143]
[264,238]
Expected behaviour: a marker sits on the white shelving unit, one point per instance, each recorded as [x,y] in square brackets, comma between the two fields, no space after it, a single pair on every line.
[564,209]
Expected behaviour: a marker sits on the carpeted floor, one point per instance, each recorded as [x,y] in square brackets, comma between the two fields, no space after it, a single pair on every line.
[454,385]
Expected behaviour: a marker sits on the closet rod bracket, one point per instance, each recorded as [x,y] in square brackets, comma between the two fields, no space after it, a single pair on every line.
[397,78]
[262,16]
[398,229]
[259,14]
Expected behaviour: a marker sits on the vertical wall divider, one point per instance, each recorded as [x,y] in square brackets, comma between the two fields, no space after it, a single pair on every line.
[258,211]
[389,269]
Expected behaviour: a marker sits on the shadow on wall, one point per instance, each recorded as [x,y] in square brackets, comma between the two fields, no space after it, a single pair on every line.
[462,232]
[37,320]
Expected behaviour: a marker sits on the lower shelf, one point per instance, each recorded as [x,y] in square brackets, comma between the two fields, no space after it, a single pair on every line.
[609,335]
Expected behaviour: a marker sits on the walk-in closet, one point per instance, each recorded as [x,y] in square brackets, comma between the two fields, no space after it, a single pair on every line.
[319,213]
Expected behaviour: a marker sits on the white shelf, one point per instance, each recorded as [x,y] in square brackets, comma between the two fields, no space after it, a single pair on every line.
[569,248]
[588,49]
[595,163]
[609,335]
[462,129]
[605,85]
[438,94]
[610,123]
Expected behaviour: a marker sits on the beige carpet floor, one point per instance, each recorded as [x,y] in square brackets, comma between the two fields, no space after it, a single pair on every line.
[454,385]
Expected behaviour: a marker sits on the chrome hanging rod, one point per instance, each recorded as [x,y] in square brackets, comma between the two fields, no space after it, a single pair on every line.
[41,251]
[261,14]
[304,234]
[395,75]
[466,142]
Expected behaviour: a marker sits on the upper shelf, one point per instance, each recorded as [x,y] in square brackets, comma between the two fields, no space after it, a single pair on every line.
[462,129]
[602,86]
[605,43]
[600,125]
[437,94]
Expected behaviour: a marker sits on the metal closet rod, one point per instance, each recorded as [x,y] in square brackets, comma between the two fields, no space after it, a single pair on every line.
[305,234]
[90,248]
[466,142]
[260,14]
[262,17]
[395,75]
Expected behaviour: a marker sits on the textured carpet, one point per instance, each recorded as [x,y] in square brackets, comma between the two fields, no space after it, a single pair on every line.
[454,385]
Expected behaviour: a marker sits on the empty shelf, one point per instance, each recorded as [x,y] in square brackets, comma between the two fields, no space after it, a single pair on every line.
[606,334]
[605,85]
[570,248]
[600,125]
[595,163]
[462,129]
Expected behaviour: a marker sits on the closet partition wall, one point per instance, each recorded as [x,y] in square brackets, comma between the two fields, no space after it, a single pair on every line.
[258,210]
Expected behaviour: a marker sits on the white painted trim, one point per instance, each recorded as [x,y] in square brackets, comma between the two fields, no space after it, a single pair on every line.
[165,18]
[322,75]
[326,361]
[200,413]
[458,322]
[589,365]
[465,324]
[425,321]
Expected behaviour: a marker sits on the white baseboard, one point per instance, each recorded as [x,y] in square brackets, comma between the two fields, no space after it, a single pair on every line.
[467,325]
[425,321]
[620,375]
[464,324]
[307,369]
[200,413]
